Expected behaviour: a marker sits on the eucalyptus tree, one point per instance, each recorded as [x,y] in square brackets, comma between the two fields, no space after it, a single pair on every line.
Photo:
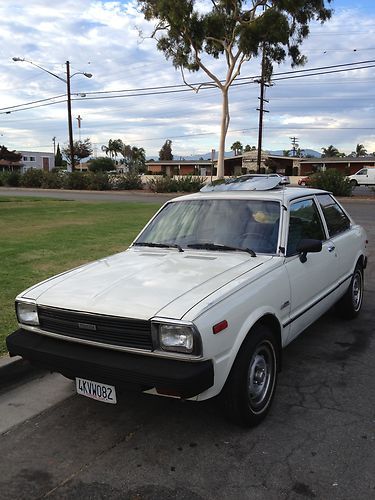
[190,32]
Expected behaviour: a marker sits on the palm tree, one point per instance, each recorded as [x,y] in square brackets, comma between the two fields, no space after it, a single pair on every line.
[330,152]
[237,148]
[114,147]
[360,150]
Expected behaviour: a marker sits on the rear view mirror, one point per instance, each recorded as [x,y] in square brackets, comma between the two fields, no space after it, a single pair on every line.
[308,246]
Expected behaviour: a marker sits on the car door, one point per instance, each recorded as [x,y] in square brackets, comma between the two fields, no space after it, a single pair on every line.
[339,227]
[312,281]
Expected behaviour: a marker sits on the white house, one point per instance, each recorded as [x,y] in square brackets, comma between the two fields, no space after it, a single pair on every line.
[37,160]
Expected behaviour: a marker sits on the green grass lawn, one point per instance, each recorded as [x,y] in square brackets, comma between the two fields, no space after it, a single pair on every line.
[40,238]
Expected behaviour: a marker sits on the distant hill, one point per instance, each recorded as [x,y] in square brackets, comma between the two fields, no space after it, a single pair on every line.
[306,152]
[228,154]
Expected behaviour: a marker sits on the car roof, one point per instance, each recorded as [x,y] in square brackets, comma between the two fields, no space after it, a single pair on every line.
[282,194]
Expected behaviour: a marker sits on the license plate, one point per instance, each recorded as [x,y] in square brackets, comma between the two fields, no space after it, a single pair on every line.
[95,390]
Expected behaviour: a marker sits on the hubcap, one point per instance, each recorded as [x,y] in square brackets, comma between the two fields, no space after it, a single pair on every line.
[260,375]
[357,291]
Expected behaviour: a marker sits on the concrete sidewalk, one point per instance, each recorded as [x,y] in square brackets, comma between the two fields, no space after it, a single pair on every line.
[15,370]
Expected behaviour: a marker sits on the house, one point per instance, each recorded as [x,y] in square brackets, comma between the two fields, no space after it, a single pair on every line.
[37,160]
[179,167]
[347,165]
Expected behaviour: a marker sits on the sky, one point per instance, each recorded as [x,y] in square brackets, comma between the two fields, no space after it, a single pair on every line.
[109,39]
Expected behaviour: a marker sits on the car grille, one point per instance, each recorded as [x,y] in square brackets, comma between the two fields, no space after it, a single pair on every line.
[121,332]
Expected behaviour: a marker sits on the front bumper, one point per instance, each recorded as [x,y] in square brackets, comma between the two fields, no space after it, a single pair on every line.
[123,370]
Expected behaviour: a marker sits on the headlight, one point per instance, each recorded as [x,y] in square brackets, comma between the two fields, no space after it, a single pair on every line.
[27,313]
[177,338]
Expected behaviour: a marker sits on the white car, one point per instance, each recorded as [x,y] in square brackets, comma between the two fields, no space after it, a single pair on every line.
[203,301]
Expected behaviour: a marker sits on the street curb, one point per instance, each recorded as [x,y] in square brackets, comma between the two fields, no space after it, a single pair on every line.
[14,370]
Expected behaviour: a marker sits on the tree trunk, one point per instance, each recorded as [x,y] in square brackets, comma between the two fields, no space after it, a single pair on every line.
[223,132]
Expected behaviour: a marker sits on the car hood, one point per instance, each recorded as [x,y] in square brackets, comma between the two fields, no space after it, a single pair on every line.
[143,283]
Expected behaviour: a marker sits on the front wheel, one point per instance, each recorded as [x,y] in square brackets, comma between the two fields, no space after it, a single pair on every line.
[251,384]
[353,183]
[350,304]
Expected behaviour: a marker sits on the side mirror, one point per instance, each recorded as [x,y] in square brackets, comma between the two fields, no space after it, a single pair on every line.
[307,246]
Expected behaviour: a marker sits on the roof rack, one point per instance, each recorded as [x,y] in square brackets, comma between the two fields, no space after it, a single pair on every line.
[260,182]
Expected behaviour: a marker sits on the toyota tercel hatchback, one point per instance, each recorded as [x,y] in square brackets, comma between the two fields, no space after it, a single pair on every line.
[203,301]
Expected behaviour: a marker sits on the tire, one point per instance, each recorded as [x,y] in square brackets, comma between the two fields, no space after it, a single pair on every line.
[349,306]
[251,385]
[353,183]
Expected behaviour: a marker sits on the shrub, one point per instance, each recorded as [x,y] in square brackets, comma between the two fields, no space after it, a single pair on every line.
[51,180]
[97,181]
[130,180]
[189,184]
[32,178]
[185,184]
[75,180]
[12,179]
[331,180]
[3,178]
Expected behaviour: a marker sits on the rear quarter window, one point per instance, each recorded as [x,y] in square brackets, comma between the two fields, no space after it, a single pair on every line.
[337,221]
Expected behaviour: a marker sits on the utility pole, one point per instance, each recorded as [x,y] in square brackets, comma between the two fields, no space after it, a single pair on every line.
[54,145]
[69,98]
[70,125]
[261,109]
[294,145]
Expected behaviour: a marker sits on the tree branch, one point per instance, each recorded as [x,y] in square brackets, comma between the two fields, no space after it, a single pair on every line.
[193,87]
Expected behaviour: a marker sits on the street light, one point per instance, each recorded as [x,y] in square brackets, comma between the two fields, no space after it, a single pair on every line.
[69,100]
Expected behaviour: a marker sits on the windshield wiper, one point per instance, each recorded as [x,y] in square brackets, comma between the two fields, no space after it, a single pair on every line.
[216,246]
[158,245]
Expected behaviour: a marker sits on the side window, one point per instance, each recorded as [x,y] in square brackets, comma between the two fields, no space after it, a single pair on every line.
[337,221]
[362,172]
[304,222]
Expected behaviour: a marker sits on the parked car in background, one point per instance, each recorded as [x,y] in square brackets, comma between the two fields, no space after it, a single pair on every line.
[364,177]
[203,301]
[304,181]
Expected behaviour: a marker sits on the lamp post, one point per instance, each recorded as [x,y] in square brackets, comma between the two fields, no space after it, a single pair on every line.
[68,94]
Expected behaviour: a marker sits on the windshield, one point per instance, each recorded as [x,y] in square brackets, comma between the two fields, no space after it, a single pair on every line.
[209,224]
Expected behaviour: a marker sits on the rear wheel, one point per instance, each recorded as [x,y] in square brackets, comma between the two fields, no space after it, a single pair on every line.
[350,304]
[251,385]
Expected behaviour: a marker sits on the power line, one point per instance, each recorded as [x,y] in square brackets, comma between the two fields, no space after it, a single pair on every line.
[146,91]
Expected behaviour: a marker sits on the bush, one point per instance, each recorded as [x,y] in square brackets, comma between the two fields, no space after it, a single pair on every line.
[130,180]
[52,180]
[332,180]
[3,178]
[76,180]
[97,181]
[13,179]
[32,178]
[185,184]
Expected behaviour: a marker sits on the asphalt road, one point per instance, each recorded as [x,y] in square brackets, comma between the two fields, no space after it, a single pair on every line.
[317,442]
[64,194]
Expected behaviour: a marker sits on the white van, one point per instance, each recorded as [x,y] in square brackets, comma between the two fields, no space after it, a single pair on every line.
[364,177]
